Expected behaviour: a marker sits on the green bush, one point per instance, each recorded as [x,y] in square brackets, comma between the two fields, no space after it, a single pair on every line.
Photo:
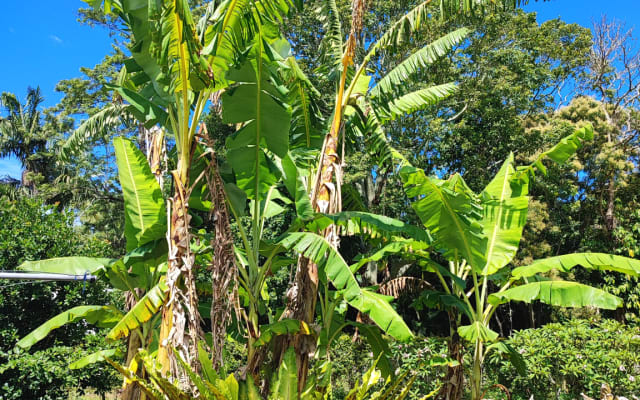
[413,355]
[30,230]
[45,374]
[351,359]
[564,360]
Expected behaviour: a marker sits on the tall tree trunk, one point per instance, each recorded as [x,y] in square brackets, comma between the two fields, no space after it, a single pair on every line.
[610,216]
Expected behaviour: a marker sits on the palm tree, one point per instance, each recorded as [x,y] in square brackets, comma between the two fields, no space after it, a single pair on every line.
[23,136]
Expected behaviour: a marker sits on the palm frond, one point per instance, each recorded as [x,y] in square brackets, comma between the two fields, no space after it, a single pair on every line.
[413,101]
[450,8]
[332,43]
[95,127]
[425,56]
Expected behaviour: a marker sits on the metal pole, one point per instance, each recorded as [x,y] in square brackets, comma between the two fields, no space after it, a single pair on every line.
[39,276]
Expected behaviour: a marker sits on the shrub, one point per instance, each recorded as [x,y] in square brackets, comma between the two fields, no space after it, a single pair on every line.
[564,360]
[413,355]
[45,374]
[30,230]
[351,359]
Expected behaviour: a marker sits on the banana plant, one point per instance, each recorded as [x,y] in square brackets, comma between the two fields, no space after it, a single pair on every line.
[176,66]
[477,237]
[374,104]
[139,273]
[284,385]
[267,178]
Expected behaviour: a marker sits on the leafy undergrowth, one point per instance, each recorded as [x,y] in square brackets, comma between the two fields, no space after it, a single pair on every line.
[564,360]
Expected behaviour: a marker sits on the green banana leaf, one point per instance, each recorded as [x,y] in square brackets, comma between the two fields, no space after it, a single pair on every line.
[597,261]
[402,246]
[371,225]
[260,107]
[441,301]
[414,101]
[419,59]
[477,331]
[332,266]
[515,358]
[451,212]
[504,217]
[143,109]
[292,177]
[285,383]
[102,316]
[379,348]
[432,266]
[142,312]
[67,265]
[93,358]
[559,153]
[558,293]
[145,212]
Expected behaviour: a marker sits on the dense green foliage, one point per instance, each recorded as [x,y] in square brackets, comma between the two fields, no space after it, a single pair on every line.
[573,357]
[30,230]
[257,181]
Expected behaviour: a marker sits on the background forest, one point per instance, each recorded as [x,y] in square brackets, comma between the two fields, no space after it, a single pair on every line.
[327,199]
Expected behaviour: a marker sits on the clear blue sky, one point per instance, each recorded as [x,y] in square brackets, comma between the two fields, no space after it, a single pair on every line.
[43,43]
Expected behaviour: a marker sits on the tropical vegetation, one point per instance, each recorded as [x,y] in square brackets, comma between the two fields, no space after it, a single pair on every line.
[287,199]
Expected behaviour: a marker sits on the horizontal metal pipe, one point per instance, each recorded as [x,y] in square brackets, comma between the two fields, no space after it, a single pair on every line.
[40,276]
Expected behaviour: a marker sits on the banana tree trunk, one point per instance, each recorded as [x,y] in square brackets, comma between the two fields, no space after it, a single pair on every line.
[326,197]
[454,379]
[224,270]
[132,391]
[476,373]
[180,329]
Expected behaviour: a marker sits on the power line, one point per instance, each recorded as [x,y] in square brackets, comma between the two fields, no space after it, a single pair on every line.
[45,276]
